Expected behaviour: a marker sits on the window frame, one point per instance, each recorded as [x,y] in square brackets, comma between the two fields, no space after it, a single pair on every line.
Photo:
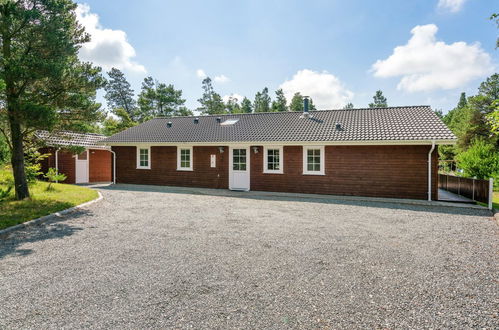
[305,160]
[148,148]
[179,158]
[266,159]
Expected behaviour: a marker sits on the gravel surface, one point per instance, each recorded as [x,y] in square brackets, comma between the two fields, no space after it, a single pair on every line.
[151,257]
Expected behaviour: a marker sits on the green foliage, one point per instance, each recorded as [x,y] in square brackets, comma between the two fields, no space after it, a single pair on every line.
[297,103]
[232,105]
[119,94]
[246,105]
[262,101]
[4,150]
[46,86]
[348,106]
[32,159]
[480,160]
[112,125]
[53,176]
[211,102]
[495,17]
[439,113]
[493,119]
[280,103]
[158,100]
[462,101]
[379,100]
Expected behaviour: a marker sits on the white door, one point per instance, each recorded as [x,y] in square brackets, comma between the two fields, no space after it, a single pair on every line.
[82,167]
[239,169]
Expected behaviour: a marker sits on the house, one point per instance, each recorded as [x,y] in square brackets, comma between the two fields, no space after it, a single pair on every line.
[381,152]
[93,164]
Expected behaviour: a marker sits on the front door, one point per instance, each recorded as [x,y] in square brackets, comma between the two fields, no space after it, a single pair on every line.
[82,167]
[239,169]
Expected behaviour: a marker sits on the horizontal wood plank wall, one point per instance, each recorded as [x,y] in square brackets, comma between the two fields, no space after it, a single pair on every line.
[164,168]
[375,171]
[66,160]
[100,165]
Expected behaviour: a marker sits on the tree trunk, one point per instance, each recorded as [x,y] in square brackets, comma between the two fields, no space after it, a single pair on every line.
[17,160]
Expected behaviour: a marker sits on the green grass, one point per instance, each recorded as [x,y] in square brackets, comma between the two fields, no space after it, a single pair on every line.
[42,202]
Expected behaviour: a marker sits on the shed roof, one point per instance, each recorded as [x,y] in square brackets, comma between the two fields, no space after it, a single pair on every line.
[67,138]
[412,123]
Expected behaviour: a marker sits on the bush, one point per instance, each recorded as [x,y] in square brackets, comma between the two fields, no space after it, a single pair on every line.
[480,160]
[52,176]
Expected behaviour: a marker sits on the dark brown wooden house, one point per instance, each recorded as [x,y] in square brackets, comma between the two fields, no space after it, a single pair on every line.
[381,152]
[94,164]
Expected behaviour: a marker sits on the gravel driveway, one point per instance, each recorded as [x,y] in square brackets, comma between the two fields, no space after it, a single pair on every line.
[156,257]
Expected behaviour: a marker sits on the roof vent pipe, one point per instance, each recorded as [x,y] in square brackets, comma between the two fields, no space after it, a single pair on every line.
[196,120]
[338,126]
[169,124]
[219,119]
[306,114]
[305,104]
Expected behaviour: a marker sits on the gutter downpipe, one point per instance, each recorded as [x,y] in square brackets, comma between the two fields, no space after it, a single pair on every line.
[57,162]
[429,169]
[114,166]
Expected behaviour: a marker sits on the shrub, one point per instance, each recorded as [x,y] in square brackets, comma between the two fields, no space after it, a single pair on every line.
[480,160]
[52,176]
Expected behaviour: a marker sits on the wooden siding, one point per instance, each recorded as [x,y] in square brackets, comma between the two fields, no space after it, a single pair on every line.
[66,162]
[376,171]
[164,168]
[100,165]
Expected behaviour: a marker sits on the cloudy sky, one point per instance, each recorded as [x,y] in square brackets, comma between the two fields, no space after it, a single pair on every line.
[417,52]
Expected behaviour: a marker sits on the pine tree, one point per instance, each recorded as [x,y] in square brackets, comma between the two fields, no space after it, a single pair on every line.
[46,86]
[232,105]
[462,101]
[246,106]
[379,100]
[280,103]
[119,93]
[262,101]
[348,106]
[211,102]
[296,102]
[158,100]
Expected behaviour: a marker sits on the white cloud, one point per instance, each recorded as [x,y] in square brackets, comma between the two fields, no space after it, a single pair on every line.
[325,89]
[426,64]
[201,74]
[221,79]
[451,5]
[239,97]
[108,48]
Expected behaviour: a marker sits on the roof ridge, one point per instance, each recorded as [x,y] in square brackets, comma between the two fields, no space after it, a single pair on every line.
[283,112]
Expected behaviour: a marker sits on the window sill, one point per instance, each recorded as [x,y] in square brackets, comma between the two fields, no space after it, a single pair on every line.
[270,172]
[185,169]
[314,173]
[144,168]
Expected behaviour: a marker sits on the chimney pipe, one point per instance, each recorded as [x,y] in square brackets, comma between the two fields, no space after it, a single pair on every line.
[305,104]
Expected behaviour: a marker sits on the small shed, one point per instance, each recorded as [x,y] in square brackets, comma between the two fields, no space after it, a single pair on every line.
[94,164]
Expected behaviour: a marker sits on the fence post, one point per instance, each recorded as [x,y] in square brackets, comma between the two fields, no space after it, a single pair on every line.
[473,192]
[491,192]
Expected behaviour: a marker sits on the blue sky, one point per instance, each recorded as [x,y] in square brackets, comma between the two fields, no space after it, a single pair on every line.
[335,51]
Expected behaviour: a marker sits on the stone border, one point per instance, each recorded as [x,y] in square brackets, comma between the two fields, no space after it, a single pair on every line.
[48,217]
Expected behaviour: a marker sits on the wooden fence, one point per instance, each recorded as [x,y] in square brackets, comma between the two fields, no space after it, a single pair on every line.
[477,190]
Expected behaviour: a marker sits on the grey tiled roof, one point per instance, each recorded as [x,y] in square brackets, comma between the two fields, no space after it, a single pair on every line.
[66,138]
[370,124]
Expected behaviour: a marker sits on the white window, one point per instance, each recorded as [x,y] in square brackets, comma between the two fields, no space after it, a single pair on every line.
[144,157]
[273,160]
[313,160]
[184,159]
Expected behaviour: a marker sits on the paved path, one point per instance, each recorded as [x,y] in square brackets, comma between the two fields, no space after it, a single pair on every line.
[151,257]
